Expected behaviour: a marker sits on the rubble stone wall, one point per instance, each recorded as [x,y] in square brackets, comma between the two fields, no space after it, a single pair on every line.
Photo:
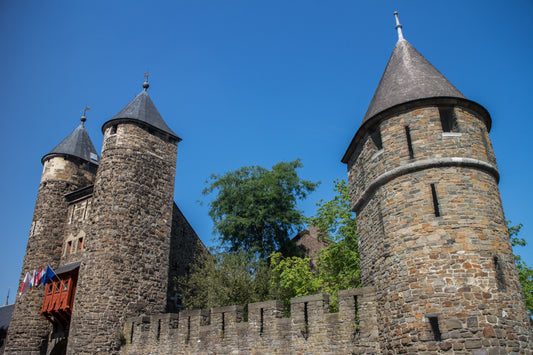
[433,237]
[129,241]
[310,329]
[28,331]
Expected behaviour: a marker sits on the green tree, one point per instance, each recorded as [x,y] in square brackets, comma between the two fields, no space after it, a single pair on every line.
[292,277]
[525,273]
[338,264]
[224,279]
[255,209]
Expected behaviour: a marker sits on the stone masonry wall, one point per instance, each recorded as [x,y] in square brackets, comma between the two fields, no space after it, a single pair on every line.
[438,256]
[126,269]
[311,329]
[185,247]
[428,141]
[28,331]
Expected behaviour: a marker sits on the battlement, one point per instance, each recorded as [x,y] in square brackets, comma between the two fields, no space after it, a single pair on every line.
[222,330]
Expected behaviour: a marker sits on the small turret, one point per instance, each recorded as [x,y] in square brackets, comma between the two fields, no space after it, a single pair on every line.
[71,165]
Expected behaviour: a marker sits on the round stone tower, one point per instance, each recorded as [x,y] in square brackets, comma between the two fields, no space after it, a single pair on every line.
[126,270]
[432,234]
[69,166]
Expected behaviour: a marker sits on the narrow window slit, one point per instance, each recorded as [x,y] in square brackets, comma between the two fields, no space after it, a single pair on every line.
[306,321]
[113,129]
[356,311]
[158,329]
[435,200]
[261,329]
[223,325]
[434,322]
[188,330]
[409,142]
[85,209]
[131,333]
[500,278]
[72,214]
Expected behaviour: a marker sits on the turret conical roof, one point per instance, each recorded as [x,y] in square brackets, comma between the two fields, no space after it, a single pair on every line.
[141,109]
[408,77]
[77,144]
[409,80]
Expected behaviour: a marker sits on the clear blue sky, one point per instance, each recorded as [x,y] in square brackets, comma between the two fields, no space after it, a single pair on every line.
[246,83]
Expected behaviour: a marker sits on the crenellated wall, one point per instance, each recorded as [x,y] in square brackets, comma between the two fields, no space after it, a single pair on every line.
[311,328]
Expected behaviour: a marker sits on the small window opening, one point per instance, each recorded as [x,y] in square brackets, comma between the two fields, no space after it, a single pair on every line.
[113,129]
[223,325]
[158,329]
[131,333]
[409,142]
[188,330]
[434,322]
[306,322]
[85,209]
[448,119]
[72,214]
[376,138]
[80,243]
[500,278]
[435,200]
[356,311]
[69,247]
[261,329]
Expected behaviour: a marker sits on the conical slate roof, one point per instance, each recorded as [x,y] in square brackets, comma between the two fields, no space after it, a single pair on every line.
[407,77]
[409,80]
[142,109]
[77,144]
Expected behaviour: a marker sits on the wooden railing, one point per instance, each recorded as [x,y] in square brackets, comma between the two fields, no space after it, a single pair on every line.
[58,301]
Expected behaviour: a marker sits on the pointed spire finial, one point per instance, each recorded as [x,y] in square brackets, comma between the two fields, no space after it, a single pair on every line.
[145,84]
[398,27]
[7,299]
[83,118]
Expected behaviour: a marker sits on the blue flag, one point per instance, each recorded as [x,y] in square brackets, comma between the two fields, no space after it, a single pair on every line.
[48,275]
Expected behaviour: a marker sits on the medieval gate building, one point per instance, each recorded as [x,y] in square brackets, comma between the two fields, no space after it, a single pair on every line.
[437,267]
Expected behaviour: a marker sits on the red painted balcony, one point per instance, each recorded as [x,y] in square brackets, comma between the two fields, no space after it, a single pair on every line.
[59,298]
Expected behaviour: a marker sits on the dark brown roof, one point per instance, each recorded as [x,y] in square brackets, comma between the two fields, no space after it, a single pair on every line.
[141,109]
[409,80]
[407,77]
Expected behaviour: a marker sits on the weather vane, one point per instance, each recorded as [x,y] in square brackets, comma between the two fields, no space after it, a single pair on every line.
[145,84]
[83,118]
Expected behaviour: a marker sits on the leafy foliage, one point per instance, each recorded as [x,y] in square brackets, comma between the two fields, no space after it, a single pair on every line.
[255,209]
[338,264]
[525,273]
[293,277]
[224,279]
